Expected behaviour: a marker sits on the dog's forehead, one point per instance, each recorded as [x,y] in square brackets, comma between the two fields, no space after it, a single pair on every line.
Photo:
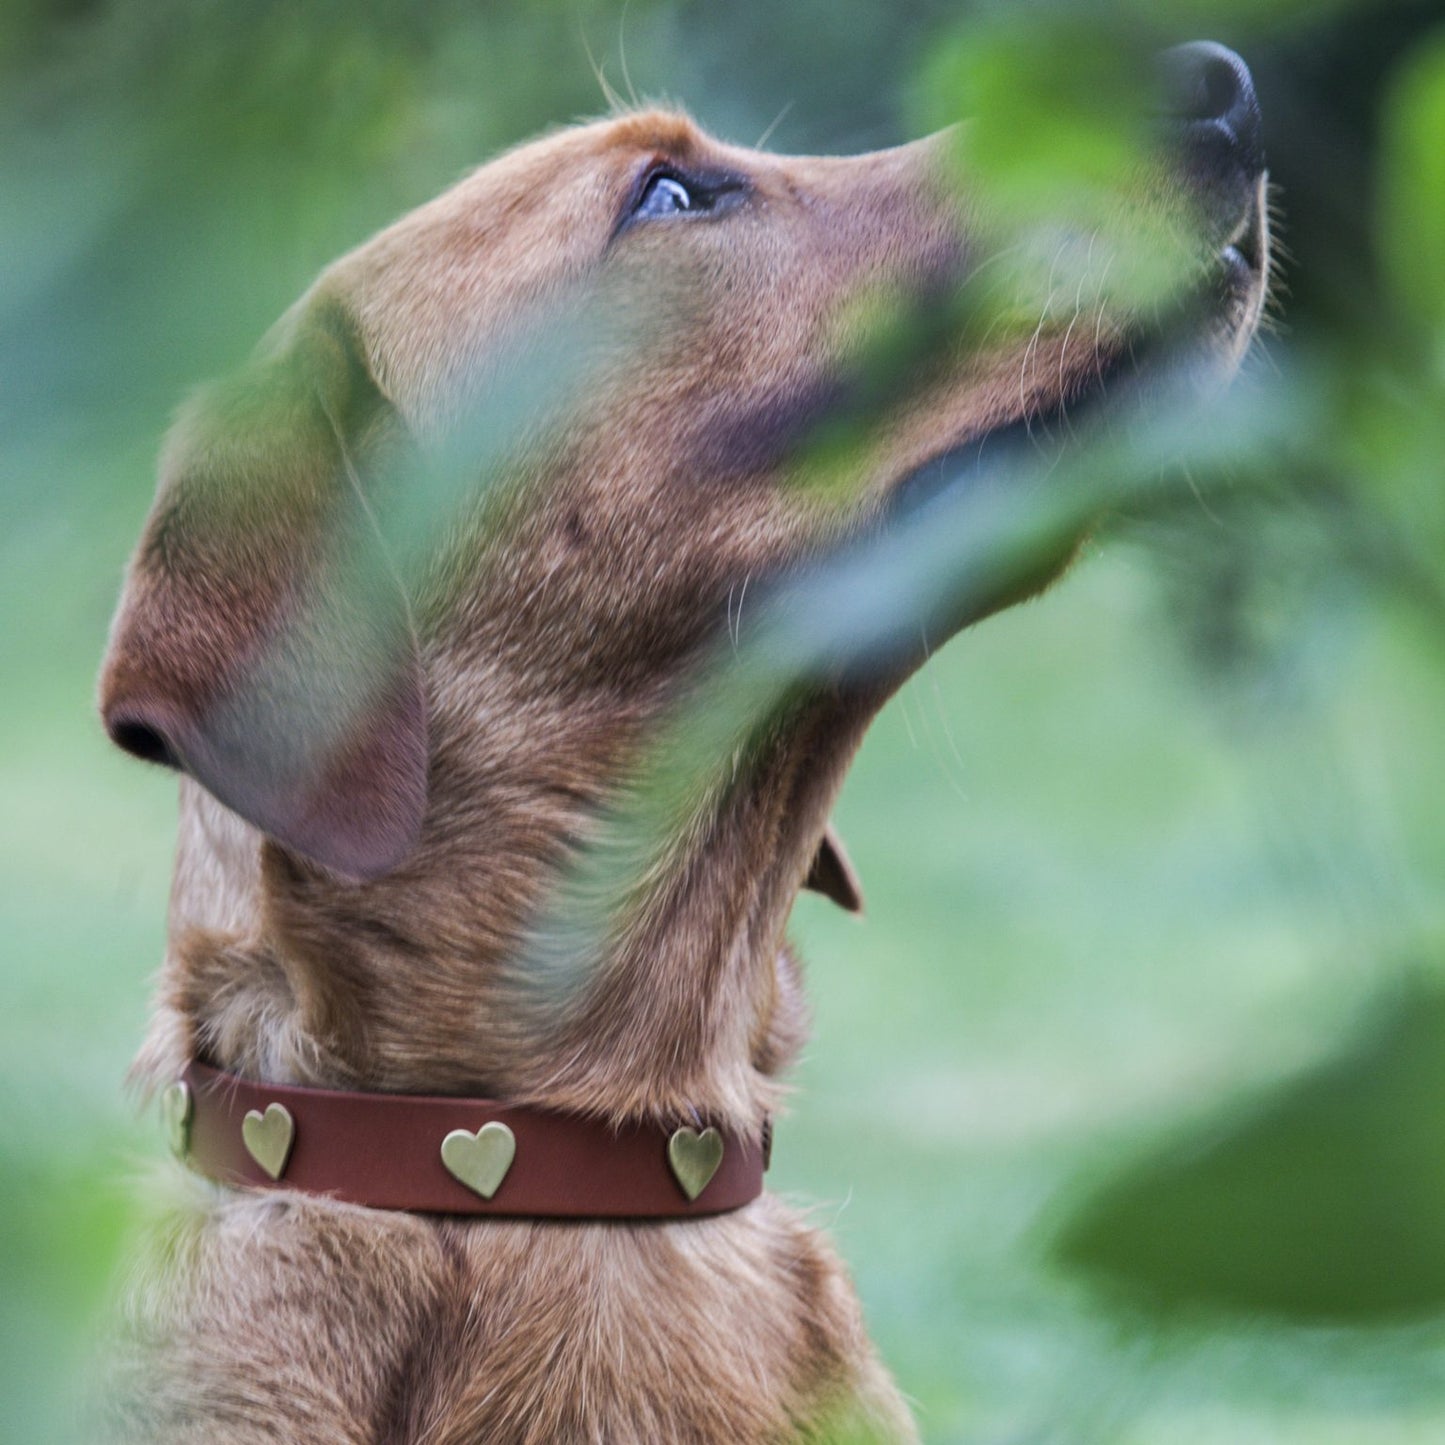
[567,173]
[665,130]
[429,291]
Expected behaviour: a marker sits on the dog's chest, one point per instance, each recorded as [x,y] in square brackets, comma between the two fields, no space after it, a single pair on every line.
[299,1320]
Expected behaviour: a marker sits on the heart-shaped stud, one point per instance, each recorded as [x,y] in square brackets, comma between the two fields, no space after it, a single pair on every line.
[177,1107]
[480,1160]
[694,1158]
[268,1137]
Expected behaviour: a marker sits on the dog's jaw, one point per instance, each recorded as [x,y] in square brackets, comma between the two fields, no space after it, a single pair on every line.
[1248,261]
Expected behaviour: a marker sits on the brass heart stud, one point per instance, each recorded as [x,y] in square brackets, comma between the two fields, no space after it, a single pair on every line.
[480,1160]
[268,1137]
[694,1158]
[177,1107]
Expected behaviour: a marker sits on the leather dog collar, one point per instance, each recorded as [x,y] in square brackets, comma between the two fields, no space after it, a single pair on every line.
[439,1155]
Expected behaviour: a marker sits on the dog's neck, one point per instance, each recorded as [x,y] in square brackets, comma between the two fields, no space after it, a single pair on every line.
[427,982]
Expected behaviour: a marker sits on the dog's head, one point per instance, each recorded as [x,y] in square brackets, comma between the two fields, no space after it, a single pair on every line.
[667,322]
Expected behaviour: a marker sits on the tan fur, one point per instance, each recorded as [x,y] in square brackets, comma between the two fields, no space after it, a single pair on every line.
[550,631]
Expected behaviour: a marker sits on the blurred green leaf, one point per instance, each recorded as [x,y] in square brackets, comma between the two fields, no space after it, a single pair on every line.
[1325,1200]
[1411,225]
[1055,106]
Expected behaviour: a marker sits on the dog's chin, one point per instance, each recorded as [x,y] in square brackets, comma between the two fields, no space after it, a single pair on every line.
[1244,265]
[1183,360]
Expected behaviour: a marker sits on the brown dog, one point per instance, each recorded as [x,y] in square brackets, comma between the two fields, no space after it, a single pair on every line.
[390,750]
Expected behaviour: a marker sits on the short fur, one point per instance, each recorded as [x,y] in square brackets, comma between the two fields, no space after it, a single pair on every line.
[358,927]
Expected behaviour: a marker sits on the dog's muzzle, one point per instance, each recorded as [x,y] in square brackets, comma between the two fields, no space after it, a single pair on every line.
[1210,101]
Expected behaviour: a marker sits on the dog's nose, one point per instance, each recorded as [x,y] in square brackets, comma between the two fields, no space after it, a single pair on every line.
[1209,89]
[144,729]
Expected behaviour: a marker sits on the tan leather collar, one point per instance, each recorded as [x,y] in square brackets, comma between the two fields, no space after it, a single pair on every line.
[438,1155]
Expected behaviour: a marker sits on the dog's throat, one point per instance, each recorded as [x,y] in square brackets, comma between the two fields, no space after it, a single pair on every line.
[435,1154]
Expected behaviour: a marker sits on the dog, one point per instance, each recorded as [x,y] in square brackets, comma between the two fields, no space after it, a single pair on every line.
[389,749]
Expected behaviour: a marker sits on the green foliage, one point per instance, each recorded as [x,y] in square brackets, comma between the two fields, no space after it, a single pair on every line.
[1412,203]
[1325,1199]
[1053,105]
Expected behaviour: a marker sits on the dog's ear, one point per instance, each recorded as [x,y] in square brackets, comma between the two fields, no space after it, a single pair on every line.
[263,642]
[833,874]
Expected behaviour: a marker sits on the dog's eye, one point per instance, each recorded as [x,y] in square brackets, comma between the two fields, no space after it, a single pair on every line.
[663,195]
[664,190]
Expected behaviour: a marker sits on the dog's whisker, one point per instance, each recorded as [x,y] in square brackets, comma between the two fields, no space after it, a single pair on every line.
[954,776]
[615,104]
[1188,473]
[738,624]
[622,55]
[768,130]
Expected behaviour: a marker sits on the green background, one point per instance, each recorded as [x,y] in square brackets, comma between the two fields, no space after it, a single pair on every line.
[1127,1098]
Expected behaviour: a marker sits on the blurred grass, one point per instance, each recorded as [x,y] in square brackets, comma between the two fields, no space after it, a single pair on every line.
[1147,996]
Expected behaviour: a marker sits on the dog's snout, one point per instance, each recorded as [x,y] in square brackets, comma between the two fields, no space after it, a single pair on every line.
[1209,89]
[1213,118]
